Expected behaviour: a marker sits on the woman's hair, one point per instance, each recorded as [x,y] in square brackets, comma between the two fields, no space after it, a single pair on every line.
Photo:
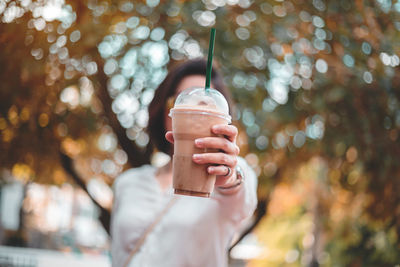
[158,106]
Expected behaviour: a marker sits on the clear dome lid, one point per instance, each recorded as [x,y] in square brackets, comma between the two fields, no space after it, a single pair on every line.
[199,98]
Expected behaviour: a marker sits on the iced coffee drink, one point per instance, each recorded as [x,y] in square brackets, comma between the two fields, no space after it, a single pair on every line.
[195,111]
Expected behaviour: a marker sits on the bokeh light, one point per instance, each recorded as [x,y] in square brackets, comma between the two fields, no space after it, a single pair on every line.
[317,107]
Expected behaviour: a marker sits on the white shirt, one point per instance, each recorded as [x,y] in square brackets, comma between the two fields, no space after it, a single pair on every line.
[194,232]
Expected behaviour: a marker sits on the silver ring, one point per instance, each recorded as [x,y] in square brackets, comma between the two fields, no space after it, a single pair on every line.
[229,172]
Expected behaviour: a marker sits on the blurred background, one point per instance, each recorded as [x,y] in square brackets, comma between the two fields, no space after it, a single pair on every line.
[317,87]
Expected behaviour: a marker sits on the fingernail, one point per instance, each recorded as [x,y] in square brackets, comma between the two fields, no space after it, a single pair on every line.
[199,141]
[211,169]
[196,156]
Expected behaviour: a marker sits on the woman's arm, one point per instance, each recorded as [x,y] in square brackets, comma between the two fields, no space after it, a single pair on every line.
[236,183]
[240,202]
[236,194]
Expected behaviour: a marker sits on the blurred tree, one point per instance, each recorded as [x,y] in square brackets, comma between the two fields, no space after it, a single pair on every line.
[316,83]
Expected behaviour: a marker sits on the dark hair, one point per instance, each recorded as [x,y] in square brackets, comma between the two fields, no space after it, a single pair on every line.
[157,107]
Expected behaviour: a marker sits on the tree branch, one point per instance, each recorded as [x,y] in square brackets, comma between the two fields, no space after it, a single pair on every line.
[136,155]
[105,215]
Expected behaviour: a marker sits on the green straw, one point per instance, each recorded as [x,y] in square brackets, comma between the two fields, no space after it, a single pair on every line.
[210,58]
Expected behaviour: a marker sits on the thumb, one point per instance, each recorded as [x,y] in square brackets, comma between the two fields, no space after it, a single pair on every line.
[169,136]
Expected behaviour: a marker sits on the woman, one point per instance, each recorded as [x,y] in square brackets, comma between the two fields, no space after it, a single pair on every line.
[192,231]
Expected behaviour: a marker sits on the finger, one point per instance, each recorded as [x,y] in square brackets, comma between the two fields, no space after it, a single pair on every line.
[229,131]
[220,170]
[217,143]
[218,158]
[170,137]
[223,180]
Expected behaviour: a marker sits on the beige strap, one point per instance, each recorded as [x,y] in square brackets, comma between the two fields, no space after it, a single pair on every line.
[149,229]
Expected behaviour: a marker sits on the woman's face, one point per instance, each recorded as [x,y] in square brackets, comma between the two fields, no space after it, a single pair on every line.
[187,82]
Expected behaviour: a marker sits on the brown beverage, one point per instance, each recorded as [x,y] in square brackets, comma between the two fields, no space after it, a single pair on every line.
[192,119]
[188,124]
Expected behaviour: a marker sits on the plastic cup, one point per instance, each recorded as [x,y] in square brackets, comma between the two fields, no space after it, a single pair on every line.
[195,111]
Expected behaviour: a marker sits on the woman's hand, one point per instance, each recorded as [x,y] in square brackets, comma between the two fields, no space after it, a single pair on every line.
[223,163]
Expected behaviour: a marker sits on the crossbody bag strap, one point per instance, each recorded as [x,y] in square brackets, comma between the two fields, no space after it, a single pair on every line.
[149,229]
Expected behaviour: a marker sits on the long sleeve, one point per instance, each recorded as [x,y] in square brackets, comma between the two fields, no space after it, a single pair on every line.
[194,232]
[241,205]
[133,210]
